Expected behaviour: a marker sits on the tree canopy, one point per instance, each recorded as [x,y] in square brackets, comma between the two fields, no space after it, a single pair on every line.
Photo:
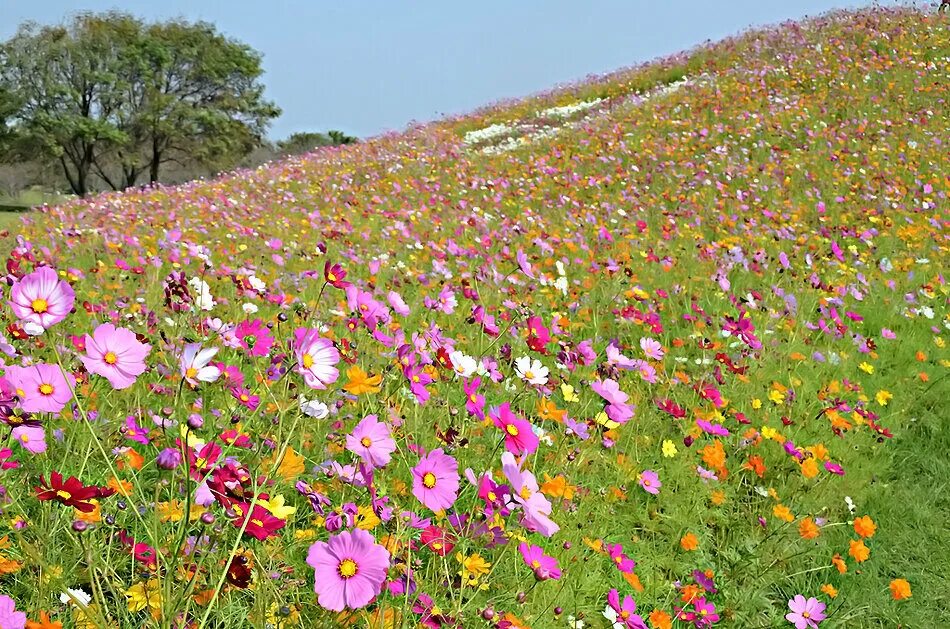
[111,97]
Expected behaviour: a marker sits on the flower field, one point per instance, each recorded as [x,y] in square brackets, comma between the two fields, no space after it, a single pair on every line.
[663,348]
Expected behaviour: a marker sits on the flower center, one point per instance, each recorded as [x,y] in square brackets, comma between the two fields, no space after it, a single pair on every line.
[245,397]
[806,615]
[191,372]
[46,388]
[436,546]
[250,340]
[39,306]
[257,522]
[512,430]
[307,361]
[65,495]
[366,442]
[110,358]
[347,568]
[535,564]
[331,276]
[24,438]
[428,479]
[529,375]
[625,614]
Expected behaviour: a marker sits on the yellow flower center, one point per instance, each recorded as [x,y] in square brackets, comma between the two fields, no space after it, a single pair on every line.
[245,397]
[307,361]
[347,568]
[492,496]
[46,388]
[625,614]
[535,564]
[110,358]
[436,546]
[512,430]
[331,277]
[65,495]
[529,375]
[257,522]
[806,615]
[525,493]
[366,442]
[24,438]
[39,306]
[191,372]
[428,479]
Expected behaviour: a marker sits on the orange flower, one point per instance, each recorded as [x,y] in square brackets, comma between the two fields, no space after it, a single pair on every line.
[810,467]
[659,619]
[43,623]
[689,542]
[830,590]
[756,464]
[714,455]
[557,487]
[808,529]
[360,382]
[839,563]
[865,526]
[900,589]
[783,513]
[859,551]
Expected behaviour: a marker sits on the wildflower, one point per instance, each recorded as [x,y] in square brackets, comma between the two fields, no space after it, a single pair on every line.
[115,354]
[526,493]
[31,436]
[334,274]
[9,617]
[316,358]
[865,526]
[145,595]
[360,382]
[436,480]
[689,542]
[71,493]
[650,482]
[621,613]
[245,397]
[194,365]
[652,348]
[76,597]
[858,551]
[659,619]
[883,397]
[544,567]
[437,540]
[807,529]
[43,623]
[260,523]
[313,408]
[42,388]
[900,589]
[473,568]
[349,570]
[617,408]
[462,364]
[519,437]
[531,371]
[40,300]
[168,459]
[372,442]
[474,402]
[669,448]
[254,337]
[805,613]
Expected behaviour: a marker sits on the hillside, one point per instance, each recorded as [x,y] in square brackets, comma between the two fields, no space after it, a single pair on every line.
[681,329]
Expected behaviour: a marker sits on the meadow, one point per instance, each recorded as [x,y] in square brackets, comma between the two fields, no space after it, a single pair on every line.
[662,348]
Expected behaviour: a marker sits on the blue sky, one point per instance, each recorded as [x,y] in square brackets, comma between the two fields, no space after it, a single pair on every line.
[366,66]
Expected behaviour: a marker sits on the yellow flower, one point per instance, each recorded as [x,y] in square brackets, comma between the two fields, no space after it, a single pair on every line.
[366,519]
[568,392]
[866,368]
[277,507]
[756,403]
[776,396]
[473,567]
[669,448]
[283,615]
[360,382]
[883,397]
[145,594]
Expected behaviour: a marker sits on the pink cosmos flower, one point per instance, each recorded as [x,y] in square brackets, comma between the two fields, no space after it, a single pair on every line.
[622,613]
[254,337]
[526,493]
[194,364]
[9,617]
[519,437]
[544,567]
[805,613]
[650,482]
[32,437]
[617,408]
[372,441]
[42,388]
[41,300]
[474,402]
[652,348]
[316,358]
[349,568]
[435,480]
[115,354]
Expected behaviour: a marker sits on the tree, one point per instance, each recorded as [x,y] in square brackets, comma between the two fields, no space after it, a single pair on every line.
[306,141]
[113,98]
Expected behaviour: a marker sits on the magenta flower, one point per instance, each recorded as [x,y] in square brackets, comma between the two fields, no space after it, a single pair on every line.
[31,436]
[316,358]
[519,437]
[435,480]
[372,441]
[650,482]
[349,570]
[254,337]
[622,612]
[42,388]
[115,354]
[246,398]
[525,492]
[474,402]
[9,617]
[41,300]
[805,613]
[544,567]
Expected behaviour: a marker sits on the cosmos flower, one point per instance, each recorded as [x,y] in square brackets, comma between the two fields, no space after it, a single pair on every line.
[313,408]
[42,388]
[372,441]
[621,613]
[805,613]
[349,570]
[316,358]
[40,300]
[9,617]
[194,367]
[526,493]
[531,371]
[71,493]
[31,437]
[519,437]
[652,348]
[650,482]
[435,480]
[115,354]
[254,337]
[544,567]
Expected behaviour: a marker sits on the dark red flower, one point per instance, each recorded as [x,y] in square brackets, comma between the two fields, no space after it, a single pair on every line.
[334,275]
[72,493]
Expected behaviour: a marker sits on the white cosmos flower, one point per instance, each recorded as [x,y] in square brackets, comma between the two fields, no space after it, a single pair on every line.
[204,299]
[531,370]
[249,308]
[463,365]
[313,408]
[75,596]
[194,364]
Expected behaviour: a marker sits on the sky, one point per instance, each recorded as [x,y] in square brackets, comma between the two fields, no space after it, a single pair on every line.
[370,66]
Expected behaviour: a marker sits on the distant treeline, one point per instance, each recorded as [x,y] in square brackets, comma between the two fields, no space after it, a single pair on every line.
[108,101]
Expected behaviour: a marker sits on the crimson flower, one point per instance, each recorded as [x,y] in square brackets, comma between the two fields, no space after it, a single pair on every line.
[71,493]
